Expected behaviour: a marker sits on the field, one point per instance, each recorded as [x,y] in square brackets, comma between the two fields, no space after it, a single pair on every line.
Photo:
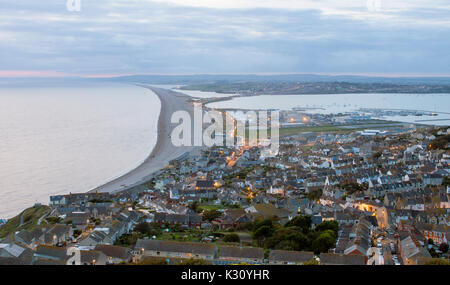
[27,220]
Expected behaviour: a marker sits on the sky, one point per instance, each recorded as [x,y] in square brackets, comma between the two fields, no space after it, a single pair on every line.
[122,37]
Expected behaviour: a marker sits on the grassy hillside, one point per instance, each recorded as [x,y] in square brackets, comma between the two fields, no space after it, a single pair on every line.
[29,218]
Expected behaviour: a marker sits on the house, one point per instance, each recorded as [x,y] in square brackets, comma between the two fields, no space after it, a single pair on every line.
[78,218]
[289,257]
[60,255]
[337,259]
[176,250]
[187,220]
[432,179]
[29,238]
[411,251]
[58,200]
[345,218]
[359,238]
[92,257]
[114,254]
[204,185]
[438,232]
[14,253]
[57,234]
[95,238]
[234,254]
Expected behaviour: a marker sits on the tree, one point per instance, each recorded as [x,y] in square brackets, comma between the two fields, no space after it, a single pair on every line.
[315,194]
[433,253]
[303,222]
[262,233]
[194,206]
[328,225]
[446,181]
[231,238]
[323,243]
[440,142]
[266,222]
[443,247]
[76,233]
[290,238]
[142,228]
[145,228]
[211,215]
[286,245]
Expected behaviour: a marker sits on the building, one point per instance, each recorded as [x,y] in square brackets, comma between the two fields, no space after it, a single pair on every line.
[234,254]
[175,250]
[337,259]
[290,257]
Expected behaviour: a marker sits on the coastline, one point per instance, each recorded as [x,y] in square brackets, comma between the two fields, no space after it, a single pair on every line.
[163,151]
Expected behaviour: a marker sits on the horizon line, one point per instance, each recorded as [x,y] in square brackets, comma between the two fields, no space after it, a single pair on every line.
[56,74]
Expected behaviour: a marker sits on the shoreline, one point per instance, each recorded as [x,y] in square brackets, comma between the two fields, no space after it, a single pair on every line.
[163,151]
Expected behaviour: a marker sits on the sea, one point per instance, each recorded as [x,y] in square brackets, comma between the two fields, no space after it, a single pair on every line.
[434,109]
[70,137]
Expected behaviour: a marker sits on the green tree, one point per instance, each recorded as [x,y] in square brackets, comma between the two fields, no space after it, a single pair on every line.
[145,228]
[328,225]
[323,243]
[231,238]
[142,228]
[303,222]
[315,194]
[290,238]
[194,206]
[76,233]
[262,233]
[266,222]
[211,215]
[443,247]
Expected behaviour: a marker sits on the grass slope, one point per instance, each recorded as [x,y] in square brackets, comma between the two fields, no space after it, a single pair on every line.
[30,219]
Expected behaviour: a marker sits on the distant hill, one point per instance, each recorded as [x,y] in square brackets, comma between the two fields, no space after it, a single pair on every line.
[209,78]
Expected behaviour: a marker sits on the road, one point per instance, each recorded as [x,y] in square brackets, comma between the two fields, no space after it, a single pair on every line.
[387,252]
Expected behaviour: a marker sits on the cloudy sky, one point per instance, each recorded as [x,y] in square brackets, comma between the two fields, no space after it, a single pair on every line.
[110,37]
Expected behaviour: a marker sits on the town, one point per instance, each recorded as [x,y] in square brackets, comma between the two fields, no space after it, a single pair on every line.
[331,196]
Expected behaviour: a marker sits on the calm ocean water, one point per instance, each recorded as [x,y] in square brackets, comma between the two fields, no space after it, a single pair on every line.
[339,103]
[56,140]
